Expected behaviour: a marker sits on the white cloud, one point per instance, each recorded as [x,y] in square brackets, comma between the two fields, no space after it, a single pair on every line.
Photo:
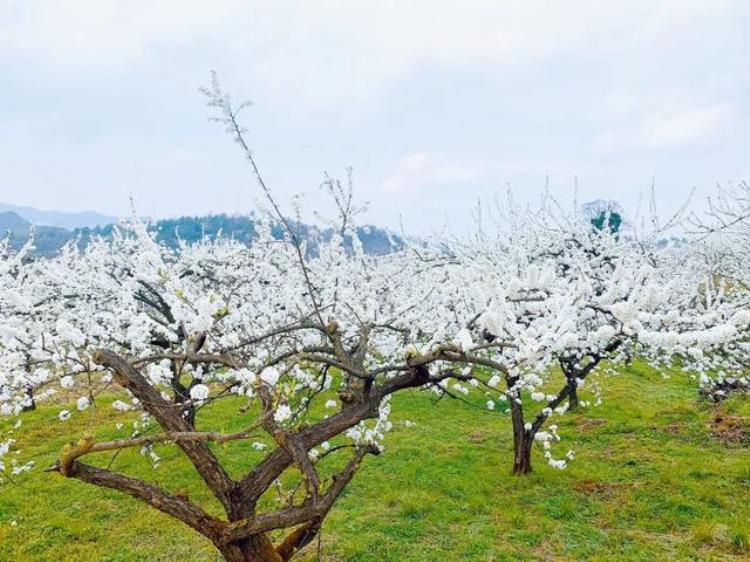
[658,121]
[688,127]
[102,34]
[422,170]
[327,51]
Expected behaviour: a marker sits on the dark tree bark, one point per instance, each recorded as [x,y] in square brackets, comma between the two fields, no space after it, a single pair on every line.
[175,505]
[257,548]
[523,439]
[204,461]
[573,403]
[571,380]
[522,443]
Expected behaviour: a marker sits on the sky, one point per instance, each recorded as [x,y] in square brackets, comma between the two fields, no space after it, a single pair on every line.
[434,105]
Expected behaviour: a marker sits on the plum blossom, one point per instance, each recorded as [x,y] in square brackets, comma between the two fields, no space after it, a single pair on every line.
[199,392]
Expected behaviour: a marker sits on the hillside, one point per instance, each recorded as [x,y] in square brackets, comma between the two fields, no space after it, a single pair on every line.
[66,220]
[49,239]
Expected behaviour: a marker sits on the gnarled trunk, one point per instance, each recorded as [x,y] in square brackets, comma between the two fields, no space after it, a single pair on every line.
[244,537]
[257,548]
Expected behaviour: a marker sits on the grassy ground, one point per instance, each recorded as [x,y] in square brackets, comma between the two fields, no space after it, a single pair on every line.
[651,481]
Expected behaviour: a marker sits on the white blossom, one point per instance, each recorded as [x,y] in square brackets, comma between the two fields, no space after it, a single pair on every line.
[199,392]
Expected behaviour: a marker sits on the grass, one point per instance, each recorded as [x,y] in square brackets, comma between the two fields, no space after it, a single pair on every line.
[651,481]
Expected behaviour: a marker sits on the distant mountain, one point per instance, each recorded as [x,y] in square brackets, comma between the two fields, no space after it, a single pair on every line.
[49,239]
[11,222]
[171,232]
[60,219]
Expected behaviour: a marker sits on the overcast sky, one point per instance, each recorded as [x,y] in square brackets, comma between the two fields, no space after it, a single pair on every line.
[434,104]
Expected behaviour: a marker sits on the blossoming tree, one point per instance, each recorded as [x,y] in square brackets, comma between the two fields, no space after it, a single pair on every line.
[721,241]
[532,294]
[309,345]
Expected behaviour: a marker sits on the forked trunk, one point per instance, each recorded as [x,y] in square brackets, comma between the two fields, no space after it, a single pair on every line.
[257,548]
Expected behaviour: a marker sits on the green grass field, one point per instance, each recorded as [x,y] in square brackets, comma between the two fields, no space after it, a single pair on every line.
[651,481]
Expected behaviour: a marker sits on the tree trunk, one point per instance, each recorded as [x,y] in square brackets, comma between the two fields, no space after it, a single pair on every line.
[257,548]
[522,441]
[522,453]
[573,396]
